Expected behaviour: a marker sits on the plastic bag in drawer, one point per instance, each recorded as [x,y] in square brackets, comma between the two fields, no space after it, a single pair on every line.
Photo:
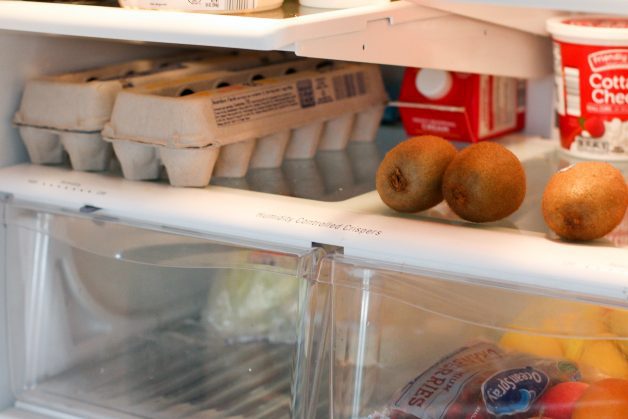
[254,304]
[480,381]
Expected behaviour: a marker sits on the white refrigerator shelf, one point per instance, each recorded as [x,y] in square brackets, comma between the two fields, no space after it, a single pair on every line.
[399,33]
[517,252]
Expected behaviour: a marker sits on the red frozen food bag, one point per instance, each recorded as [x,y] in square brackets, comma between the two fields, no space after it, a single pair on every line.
[480,381]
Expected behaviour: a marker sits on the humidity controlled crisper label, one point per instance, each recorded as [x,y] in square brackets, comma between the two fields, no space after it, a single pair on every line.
[252,104]
[206,5]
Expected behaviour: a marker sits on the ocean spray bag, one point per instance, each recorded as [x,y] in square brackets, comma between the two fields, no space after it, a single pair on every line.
[479,381]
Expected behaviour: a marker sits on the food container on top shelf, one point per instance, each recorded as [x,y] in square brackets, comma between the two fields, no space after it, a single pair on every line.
[67,112]
[227,123]
[591,77]
[405,343]
[206,6]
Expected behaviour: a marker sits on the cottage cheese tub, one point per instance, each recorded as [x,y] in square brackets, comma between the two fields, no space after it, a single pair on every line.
[207,6]
[591,77]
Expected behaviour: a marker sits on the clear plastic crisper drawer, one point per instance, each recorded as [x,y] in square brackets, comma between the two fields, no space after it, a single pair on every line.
[112,320]
[405,344]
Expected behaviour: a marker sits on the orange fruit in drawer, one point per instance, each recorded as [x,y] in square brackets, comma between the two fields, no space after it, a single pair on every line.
[604,399]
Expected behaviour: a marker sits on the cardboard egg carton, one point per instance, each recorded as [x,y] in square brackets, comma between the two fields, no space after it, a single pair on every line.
[67,112]
[141,160]
[244,121]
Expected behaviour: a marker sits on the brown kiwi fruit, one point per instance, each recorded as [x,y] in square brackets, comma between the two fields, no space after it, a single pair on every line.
[409,177]
[485,182]
[585,201]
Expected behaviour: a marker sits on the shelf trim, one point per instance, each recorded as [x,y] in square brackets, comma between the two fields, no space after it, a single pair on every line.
[230,31]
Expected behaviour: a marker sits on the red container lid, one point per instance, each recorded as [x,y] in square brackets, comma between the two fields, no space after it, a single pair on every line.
[590,30]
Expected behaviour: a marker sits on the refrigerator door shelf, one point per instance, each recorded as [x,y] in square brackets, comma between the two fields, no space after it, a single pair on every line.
[439,39]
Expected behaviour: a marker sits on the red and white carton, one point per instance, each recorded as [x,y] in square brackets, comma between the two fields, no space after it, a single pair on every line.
[461,106]
[591,78]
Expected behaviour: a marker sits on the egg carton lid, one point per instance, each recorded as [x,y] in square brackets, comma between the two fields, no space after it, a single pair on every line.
[244,111]
[192,83]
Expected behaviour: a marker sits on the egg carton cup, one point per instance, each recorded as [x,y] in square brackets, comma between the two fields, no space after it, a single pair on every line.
[320,105]
[186,167]
[86,150]
[233,159]
[334,134]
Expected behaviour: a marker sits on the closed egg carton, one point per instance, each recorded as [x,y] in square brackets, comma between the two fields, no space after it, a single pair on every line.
[271,112]
[150,102]
[57,111]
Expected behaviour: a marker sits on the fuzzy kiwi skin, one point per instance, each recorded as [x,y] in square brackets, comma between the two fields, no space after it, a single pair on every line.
[485,182]
[585,201]
[409,177]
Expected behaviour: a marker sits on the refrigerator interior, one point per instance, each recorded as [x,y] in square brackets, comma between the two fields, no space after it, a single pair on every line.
[26,55]
[154,320]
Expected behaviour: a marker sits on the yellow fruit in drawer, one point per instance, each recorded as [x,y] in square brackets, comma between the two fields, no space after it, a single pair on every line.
[543,346]
[581,320]
[618,323]
[572,348]
[602,357]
